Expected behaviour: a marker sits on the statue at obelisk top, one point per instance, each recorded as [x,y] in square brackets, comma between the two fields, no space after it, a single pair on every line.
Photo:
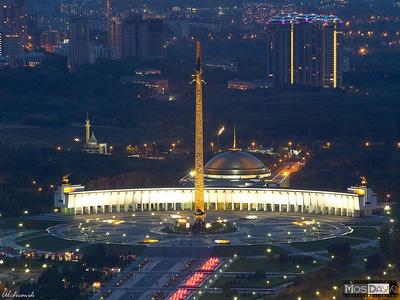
[199,210]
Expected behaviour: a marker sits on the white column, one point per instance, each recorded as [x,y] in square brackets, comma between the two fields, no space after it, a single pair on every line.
[149,200]
[288,195]
[256,196]
[272,201]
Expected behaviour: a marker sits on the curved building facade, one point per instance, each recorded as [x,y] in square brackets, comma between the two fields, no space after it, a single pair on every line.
[75,200]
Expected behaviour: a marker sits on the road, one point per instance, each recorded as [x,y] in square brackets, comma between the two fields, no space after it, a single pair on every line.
[149,280]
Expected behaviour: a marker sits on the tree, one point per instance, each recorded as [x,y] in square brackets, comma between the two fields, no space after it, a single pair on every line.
[340,249]
[341,252]
[394,247]
[374,262]
[384,234]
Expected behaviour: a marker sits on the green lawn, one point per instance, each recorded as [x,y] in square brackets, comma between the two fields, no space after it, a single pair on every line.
[365,232]
[358,262]
[322,245]
[245,250]
[233,282]
[227,297]
[29,235]
[370,223]
[252,264]
[48,243]
[13,223]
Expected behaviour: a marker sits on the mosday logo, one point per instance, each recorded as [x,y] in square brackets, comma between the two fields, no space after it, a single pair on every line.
[361,288]
[352,288]
[378,288]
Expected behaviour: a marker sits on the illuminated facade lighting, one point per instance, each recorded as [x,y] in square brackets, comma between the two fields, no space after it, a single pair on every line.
[335,57]
[199,154]
[292,53]
[305,49]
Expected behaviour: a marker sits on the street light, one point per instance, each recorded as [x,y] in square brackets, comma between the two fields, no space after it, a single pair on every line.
[363,51]
[387,197]
[221,130]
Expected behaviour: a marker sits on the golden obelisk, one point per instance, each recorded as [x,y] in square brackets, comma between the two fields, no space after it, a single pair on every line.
[199,211]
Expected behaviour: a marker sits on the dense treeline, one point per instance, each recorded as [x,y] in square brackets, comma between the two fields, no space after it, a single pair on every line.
[52,97]
[29,175]
[342,165]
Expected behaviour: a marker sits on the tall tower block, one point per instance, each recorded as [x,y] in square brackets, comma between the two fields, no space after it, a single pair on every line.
[199,211]
[108,16]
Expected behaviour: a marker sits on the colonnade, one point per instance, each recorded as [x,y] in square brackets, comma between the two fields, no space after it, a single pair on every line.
[241,199]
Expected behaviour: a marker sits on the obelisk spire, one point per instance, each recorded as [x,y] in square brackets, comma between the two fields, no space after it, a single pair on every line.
[199,211]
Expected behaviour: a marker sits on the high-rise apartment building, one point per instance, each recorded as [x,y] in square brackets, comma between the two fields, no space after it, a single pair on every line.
[305,50]
[12,29]
[78,49]
[129,36]
[11,45]
[329,39]
[143,39]
[260,12]
[49,40]
[115,37]
[11,48]
[151,39]
[13,15]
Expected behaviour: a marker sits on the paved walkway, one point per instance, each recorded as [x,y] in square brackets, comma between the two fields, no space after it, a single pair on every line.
[9,240]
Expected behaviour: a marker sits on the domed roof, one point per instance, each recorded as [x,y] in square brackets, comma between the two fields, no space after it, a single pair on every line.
[93,139]
[235,162]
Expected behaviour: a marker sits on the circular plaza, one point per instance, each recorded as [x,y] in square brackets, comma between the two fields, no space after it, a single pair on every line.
[252,228]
